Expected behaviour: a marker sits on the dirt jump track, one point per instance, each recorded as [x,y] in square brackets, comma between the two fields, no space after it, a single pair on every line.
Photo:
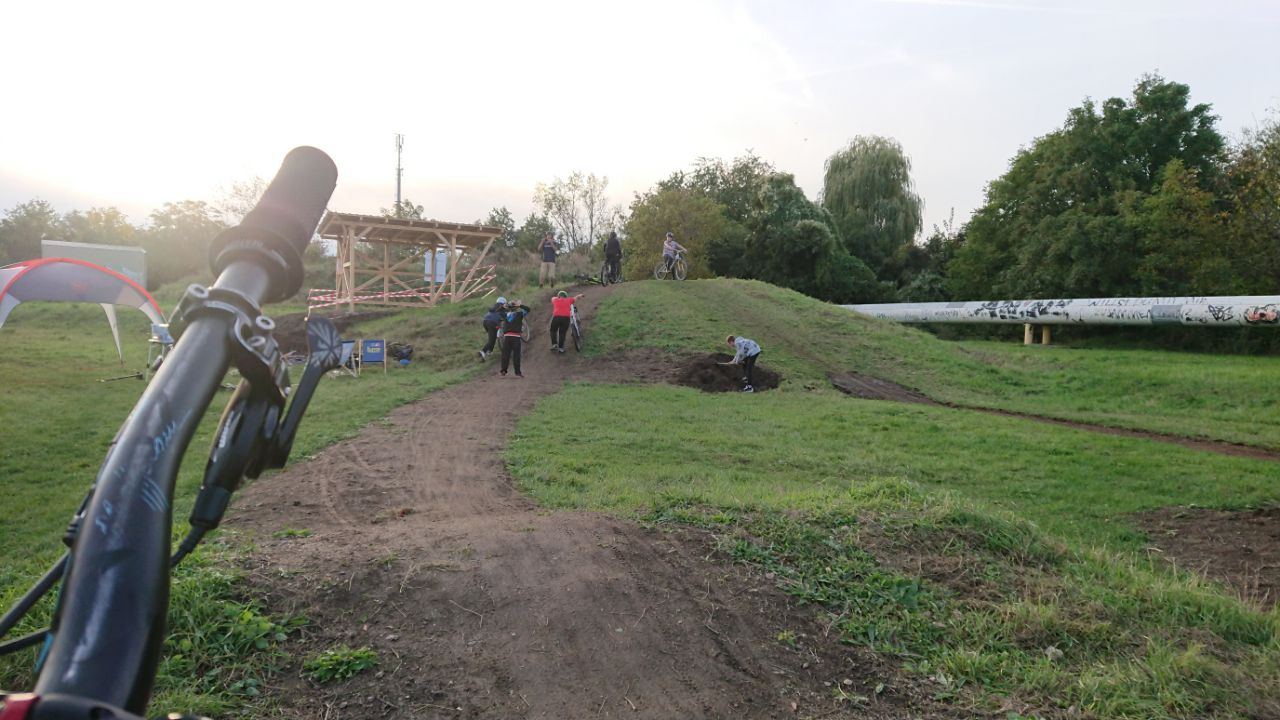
[483,605]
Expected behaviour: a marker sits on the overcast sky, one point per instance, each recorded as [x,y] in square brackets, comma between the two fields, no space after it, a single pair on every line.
[133,104]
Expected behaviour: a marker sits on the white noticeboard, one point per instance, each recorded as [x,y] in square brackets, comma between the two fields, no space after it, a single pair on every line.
[128,261]
[442,266]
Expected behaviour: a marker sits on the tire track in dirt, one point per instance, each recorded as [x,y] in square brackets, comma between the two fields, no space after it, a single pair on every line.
[482,604]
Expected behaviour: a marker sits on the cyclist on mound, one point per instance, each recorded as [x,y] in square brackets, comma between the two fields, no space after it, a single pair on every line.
[669,249]
[613,254]
[493,319]
[561,308]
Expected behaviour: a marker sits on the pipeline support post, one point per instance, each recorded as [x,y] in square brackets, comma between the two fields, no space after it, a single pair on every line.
[1028,334]
[1044,334]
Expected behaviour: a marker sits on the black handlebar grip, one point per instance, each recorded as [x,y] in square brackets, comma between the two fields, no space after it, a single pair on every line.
[292,204]
[284,220]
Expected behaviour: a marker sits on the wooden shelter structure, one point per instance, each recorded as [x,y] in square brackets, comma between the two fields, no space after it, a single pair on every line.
[380,261]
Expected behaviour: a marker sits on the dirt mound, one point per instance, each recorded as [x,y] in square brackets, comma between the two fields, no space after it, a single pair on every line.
[1240,549]
[291,330]
[705,373]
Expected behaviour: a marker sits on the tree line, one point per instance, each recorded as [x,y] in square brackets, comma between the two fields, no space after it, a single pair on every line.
[1131,196]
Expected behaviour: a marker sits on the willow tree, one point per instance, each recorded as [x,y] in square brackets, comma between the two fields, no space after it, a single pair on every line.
[869,193]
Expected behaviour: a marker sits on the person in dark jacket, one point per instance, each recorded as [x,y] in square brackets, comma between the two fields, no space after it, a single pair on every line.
[613,255]
[512,329]
[548,249]
[492,319]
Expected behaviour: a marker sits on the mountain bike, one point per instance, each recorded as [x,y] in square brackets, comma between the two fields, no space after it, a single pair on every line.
[575,327]
[678,269]
[101,650]
[610,275]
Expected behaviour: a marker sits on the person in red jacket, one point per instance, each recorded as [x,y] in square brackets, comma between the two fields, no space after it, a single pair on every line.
[561,308]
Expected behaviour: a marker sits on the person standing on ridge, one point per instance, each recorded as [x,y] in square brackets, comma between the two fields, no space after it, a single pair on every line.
[561,308]
[548,249]
[613,255]
[747,352]
[492,319]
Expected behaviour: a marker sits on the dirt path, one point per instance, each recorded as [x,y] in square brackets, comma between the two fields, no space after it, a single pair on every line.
[482,604]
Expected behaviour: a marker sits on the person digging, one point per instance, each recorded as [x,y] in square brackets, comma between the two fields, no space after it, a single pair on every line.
[746,353]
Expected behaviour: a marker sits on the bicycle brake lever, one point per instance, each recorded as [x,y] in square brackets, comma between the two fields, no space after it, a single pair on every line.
[324,350]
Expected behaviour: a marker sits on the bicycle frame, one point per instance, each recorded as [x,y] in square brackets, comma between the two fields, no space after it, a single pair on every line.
[104,643]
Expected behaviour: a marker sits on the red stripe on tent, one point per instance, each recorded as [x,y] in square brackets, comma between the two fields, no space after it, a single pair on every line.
[29,265]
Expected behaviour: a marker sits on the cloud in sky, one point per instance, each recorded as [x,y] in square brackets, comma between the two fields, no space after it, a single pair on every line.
[134,105]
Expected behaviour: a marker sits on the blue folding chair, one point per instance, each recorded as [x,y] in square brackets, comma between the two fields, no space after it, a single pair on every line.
[374,351]
[349,359]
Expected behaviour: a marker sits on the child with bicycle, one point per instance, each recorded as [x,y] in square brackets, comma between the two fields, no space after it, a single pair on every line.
[746,352]
[561,311]
[669,249]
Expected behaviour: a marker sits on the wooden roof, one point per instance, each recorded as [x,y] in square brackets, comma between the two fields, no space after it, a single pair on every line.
[397,231]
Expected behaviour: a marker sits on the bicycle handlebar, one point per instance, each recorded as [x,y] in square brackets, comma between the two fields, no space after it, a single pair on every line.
[104,642]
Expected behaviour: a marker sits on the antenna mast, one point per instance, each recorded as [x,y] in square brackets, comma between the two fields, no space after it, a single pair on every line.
[399,170]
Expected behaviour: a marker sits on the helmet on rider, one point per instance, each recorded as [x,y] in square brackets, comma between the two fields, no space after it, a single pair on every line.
[502,300]
[671,236]
[562,294]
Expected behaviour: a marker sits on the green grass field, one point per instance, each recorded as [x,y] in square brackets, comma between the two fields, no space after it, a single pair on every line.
[1218,397]
[58,420]
[995,556]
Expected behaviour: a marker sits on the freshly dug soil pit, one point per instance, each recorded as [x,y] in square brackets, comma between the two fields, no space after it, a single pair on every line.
[1240,549]
[705,373]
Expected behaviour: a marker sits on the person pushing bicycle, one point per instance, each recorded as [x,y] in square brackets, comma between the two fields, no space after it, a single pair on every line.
[512,330]
[561,310]
[492,321]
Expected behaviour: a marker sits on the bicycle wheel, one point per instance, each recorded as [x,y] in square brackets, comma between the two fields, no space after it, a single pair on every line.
[526,332]
[577,333]
[604,273]
[679,269]
[660,271]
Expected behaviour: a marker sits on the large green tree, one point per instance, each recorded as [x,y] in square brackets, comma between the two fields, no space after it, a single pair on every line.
[107,226]
[868,190]
[1253,228]
[1061,221]
[736,187]
[177,240]
[694,218]
[24,226]
[790,243]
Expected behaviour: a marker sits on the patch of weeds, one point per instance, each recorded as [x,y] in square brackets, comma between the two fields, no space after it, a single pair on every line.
[339,663]
[291,533]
